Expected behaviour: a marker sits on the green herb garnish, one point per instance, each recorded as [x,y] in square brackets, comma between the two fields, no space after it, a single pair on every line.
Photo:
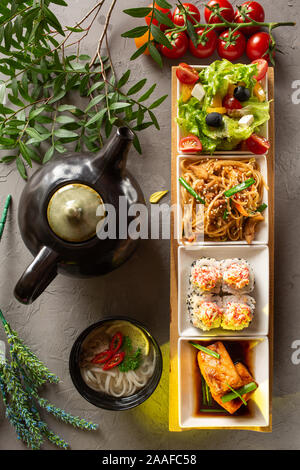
[132,359]
[206,350]
[212,410]
[191,190]
[225,215]
[239,392]
[239,187]
[261,208]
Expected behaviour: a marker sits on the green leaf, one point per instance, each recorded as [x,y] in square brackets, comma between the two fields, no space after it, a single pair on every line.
[192,33]
[163,4]
[147,94]
[21,168]
[124,79]
[52,20]
[158,102]
[154,120]
[155,54]
[97,86]
[64,133]
[25,153]
[35,112]
[57,97]
[136,144]
[162,18]
[119,106]
[94,102]
[15,101]
[65,119]
[59,2]
[97,118]
[49,154]
[66,107]
[135,32]
[137,87]
[2,93]
[138,12]
[160,37]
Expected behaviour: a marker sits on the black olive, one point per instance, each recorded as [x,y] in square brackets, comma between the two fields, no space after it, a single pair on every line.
[241,93]
[214,119]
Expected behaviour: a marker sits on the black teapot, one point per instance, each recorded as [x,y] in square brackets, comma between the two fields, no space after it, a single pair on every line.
[59,216]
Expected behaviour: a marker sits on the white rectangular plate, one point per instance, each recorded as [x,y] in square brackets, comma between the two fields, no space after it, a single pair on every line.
[262,232]
[258,258]
[258,404]
[264,128]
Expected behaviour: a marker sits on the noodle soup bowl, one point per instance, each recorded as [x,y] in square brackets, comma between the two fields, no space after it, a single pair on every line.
[102,399]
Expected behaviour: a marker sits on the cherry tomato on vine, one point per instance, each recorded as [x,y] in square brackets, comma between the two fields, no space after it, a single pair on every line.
[166,11]
[262,66]
[230,102]
[232,51]
[178,17]
[255,11]
[258,45]
[207,47]
[190,144]
[186,74]
[180,45]
[258,145]
[227,13]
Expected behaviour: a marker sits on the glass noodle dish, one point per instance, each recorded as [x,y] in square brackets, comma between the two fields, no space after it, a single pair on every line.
[117,359]
[222,107]
[231,192]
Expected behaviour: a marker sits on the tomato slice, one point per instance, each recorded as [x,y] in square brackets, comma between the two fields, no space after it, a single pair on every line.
[258,145]
[230,102]
[114,361]
[262,65]
[186,74]
[190,144]
[102,357]
[116,342]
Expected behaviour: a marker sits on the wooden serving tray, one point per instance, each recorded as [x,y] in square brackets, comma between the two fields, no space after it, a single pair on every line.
[173,382]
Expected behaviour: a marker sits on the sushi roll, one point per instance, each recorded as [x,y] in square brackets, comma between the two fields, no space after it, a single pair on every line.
[238,276]
[205,310]
[238,312]
[206,276]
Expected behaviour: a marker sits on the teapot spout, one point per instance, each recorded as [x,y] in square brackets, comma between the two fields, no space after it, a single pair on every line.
[113,156]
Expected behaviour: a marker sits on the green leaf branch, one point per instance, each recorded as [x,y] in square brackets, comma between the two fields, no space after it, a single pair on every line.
[43,78]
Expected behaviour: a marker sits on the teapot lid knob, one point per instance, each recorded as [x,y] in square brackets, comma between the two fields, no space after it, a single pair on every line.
[71,212]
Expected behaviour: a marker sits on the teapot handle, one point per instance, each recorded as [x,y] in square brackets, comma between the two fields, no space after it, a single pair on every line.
[39,274]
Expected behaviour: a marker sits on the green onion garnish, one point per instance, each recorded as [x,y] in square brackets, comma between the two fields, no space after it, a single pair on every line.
[239,187]
[239,392]
[206,350]
[225,215]
[262,208]
[191,190]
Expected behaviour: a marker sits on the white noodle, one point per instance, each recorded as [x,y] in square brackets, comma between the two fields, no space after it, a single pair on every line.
[112,382]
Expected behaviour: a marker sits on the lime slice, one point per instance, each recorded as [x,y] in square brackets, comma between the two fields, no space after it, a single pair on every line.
[137,336]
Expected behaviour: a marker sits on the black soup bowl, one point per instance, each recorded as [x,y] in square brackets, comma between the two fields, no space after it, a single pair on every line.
[103,400]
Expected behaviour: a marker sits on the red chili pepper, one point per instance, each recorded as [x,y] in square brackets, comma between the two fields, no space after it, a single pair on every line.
[114,361]
[102,357]
[116,342]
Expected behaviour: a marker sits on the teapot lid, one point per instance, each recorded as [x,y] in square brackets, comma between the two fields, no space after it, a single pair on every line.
[71,212]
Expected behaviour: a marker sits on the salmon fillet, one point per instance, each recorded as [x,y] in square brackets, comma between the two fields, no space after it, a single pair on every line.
[219,373]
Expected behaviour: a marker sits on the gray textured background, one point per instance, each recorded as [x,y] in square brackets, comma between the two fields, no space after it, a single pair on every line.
[52,323]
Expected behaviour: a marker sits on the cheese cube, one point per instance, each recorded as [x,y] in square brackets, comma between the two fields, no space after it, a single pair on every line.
[247,120]
[198,92]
